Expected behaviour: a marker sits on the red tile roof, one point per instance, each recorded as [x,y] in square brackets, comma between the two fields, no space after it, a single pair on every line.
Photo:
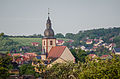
[104,56]
[60,41]
[56,51]
[91,55]
[9,54]
[17,54]
[30,54]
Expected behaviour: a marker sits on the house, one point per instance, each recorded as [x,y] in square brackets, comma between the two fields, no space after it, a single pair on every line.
[116,51]
[14,71]
[92,55]
[60,42]
[111,39]
[19,61]
[17,54]
[22,60]
[70,41]
[89,41]
[95,47]
[30,54]
[111,46]
[35,43]
[88,49]
[82,47]
[98,40]
[9,54]
[106,57]
[60,54]
[38,57]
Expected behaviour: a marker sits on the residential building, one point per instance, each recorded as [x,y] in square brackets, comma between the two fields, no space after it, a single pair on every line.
[106,57]
[35,44]
[89,41]
[116,51]
[60,42]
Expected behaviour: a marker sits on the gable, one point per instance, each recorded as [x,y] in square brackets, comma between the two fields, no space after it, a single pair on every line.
[67,55]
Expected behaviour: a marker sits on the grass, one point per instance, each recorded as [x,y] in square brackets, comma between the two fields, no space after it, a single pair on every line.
[27,41]
[3,52]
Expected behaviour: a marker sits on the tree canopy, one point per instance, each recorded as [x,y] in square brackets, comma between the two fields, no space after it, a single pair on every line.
[100,69]
[59,35]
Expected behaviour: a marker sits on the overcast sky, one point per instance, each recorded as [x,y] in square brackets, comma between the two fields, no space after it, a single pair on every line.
[26,17]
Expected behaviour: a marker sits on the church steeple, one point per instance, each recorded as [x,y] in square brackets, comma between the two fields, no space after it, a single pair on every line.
[48,41]
[48,24]
[48,33]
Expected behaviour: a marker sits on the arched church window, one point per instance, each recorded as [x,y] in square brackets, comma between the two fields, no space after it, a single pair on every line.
[51,42]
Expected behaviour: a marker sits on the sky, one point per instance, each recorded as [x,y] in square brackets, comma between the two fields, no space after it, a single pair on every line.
[27,17]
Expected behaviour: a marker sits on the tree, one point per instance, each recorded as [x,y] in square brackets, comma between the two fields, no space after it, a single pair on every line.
[100,69]
[27,69]
[5,66]
[59,35]
[79,54]
[1,34]
[7,44]
[69,35]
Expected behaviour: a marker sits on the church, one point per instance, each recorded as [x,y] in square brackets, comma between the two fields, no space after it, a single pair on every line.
[50,51]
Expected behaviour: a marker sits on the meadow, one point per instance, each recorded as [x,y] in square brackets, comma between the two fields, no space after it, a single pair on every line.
[27,41]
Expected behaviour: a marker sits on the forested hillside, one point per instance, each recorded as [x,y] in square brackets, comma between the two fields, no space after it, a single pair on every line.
[108,35]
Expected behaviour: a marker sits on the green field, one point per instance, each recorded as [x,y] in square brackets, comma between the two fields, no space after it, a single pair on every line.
[26,41]
[4,51]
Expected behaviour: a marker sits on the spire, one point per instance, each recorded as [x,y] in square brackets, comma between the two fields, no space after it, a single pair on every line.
[49,33]
[48,24]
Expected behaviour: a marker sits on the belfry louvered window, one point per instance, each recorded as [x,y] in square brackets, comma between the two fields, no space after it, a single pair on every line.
[51,42]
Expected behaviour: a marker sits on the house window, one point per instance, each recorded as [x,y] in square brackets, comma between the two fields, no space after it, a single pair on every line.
[44,42]
[50,42]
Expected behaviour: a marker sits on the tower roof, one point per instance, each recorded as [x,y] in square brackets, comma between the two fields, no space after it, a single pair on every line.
[48,33]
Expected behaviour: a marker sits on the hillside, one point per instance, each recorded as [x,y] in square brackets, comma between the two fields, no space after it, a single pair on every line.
[108,35]
[26,41]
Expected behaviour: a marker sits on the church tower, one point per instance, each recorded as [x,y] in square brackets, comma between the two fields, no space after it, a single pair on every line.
[48,41]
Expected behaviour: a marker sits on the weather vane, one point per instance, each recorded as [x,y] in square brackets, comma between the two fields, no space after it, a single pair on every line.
[48,12]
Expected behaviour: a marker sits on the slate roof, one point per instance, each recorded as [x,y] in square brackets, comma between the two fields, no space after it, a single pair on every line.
[117,50]
[56,51]
[38,57]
